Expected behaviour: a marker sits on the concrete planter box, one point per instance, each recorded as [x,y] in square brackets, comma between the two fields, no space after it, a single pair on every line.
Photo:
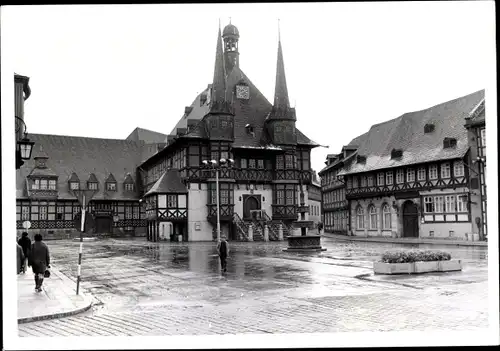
[417,267]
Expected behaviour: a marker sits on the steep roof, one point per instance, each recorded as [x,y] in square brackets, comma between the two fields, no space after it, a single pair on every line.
[147,136]
[169,182]
[407,133]
[354,143]
[477,115]
[84,156]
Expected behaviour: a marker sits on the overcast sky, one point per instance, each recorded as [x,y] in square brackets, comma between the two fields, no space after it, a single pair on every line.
[101,71]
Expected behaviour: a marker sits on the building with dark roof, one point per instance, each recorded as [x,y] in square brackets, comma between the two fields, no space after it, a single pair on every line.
[157,185]
[411,176]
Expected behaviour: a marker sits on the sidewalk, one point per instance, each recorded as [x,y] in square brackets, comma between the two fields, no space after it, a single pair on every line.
[58,298]
[405,240]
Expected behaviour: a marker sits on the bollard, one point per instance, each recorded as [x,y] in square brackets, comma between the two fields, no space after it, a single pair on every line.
[280,232]
[250,232]
[266,233]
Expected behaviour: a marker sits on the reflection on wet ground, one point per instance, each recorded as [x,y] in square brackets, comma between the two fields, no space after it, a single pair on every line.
[125,273]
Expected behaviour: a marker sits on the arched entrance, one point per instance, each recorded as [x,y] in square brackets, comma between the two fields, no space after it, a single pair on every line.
[250,202]
[410,220]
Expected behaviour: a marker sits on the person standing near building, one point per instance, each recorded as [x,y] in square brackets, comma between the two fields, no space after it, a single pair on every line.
[39,260]
[20,258]
[25,243]
[223,251]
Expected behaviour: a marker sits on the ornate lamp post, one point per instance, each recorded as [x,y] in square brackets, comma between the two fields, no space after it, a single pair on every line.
[213,164]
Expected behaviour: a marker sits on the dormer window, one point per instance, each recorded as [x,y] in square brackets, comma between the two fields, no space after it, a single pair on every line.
[111,186]
[396,153]
[128,183]
[429,128]
[449,143]
[74,185]
[361,159]
[129,187]
[92,185]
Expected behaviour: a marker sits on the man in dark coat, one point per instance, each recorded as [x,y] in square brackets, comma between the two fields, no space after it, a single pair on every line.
[20,258]
[25,243]
[223,251]
[39,260]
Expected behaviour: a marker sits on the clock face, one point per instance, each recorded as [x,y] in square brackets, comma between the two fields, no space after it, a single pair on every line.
[242,92]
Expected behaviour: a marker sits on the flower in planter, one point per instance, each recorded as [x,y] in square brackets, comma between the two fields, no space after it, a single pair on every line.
[408,256]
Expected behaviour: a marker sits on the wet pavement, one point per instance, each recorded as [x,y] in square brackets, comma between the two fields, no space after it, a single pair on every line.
[177,288]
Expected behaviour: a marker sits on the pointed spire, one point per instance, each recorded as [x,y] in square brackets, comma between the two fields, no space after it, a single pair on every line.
[280,92]
[218,99]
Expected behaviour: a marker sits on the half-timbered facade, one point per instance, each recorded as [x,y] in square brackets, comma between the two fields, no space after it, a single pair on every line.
[476,133]
[232,119]
[411,175]
[62,164]
[335,207]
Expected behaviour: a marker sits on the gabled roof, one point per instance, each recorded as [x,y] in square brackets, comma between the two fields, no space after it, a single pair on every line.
[407,133]
[146,135]
[111,179]
[68,154]
[92,178]
[169,182]
[477,115]
[128,179]
[340,161]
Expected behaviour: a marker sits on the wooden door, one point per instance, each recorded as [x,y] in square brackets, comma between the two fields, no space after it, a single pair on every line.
[251,202]
[103,224]
[410,220]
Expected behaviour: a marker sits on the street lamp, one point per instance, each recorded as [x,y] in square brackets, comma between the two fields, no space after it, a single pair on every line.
[213,164]
[24,147]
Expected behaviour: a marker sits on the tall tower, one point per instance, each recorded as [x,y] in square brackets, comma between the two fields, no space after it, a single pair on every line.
[281,120]
[220,118]
[231,53]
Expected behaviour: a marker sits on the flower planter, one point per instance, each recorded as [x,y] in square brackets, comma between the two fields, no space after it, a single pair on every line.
[449,266]
[417,267]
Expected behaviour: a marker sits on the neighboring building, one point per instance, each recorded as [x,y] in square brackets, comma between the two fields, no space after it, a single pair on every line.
[476,129]
[231,119]
[156,185]
[63,163]
[411,175]
[335,207]
[314,191]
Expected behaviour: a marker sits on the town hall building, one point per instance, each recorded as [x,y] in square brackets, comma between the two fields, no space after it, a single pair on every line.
[164,186]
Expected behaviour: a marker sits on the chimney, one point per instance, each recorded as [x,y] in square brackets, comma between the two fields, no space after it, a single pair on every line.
[187,110]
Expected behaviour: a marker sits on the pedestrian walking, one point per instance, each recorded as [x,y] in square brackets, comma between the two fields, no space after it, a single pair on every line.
[223,251]
[320,227]
[39,260]
[20,258]
[25,243]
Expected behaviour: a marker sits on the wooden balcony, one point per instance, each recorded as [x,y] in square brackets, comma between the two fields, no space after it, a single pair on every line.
[293,174]
[286,212]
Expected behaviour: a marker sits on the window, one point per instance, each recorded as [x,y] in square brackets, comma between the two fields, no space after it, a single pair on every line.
[445,170]
[74,185]
[129,187]
[260,164]
[280,197]
[111,186]
[428,204]
[171,201]
[25,213]
[373,217]
[370,180]
[43,184]
[243,162]
[410,175]
[363,181]
[450,206]
[360,218]
[433,172]
[483,137]
[386,216]
[36,184]
[438,204]
[400,176]
[349,183]
[421,173]
[380,180]
[251,163]
[354,182]
[461,203]
[128,211]
[388,178]
[289,161]
[289,197]
[43,213]
[458,169]
[92,186]
[280,162]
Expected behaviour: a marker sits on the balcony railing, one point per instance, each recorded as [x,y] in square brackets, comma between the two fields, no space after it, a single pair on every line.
[245,174]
